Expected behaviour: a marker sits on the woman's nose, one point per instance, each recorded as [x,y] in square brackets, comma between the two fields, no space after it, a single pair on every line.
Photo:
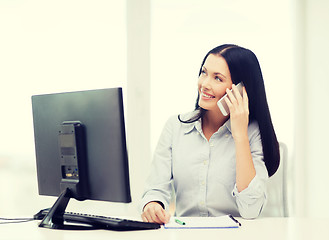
[206,83]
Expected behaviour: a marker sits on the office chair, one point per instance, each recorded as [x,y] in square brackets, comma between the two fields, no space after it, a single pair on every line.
[277,202]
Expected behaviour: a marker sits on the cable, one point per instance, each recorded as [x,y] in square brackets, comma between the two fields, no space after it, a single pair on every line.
[37,216]
[15,220]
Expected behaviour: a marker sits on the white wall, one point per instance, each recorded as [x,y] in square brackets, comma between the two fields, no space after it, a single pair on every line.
[50,46]
[138,78]
[73,45]
[46,47]
[312,161]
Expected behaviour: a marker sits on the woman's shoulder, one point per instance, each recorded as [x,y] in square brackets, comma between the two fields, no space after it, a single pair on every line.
[189,117]
[181,120]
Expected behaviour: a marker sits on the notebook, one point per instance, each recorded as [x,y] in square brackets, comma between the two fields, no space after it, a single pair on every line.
[226,221]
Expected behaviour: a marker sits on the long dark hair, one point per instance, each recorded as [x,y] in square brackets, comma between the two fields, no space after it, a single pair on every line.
[244,67]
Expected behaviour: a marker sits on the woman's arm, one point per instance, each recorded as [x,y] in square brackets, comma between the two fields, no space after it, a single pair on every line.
[245,170]
[251,172]
[239,115]
[158,184]
[251,200]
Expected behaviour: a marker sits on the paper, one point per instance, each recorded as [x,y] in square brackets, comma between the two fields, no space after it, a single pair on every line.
[202,222]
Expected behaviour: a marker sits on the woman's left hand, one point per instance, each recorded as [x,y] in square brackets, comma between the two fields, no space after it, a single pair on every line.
[239,112]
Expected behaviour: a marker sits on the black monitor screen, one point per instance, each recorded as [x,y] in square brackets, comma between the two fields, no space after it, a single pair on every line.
[105,167]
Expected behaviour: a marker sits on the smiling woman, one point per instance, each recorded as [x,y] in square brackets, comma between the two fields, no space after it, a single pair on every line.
[215,78]
[226,159]
[241,65]
[180,36]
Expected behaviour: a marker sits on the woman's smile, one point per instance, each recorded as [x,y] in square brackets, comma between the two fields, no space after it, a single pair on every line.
[206,96]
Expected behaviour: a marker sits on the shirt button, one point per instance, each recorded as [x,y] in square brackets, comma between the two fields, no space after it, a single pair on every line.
[205,162]
[211,144]
[227,135]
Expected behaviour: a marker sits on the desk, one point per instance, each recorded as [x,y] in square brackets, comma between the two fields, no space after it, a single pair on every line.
[262,228]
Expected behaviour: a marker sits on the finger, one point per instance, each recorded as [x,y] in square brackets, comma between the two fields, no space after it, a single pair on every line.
[229,104]
[168,216]
[154,216]
[145,217]
[245,99]
[237,93]
[149,214]
[164,216]
[231,96]
[160,214]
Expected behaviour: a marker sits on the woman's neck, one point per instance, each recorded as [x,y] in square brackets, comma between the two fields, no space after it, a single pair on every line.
[211,122]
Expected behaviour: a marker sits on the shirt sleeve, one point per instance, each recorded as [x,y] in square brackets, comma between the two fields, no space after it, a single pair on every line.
[158,184]
[251,200]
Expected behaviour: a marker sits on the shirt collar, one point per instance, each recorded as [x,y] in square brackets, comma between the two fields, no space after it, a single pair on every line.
[188,127]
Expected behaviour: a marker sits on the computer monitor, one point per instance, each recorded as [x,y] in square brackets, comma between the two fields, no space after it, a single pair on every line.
[80,146]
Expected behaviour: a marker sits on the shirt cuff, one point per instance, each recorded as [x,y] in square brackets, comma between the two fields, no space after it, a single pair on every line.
[251,200]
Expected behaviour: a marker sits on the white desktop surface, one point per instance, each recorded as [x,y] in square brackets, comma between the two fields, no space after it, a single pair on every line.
[261,228]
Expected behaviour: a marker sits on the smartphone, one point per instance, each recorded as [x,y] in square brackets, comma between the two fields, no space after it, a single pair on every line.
[222,104]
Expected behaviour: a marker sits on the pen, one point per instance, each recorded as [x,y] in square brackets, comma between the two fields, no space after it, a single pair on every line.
[235,220]
[180,222]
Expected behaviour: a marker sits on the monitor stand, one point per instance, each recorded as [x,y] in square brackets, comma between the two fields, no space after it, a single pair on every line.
[54,219]
[74,182]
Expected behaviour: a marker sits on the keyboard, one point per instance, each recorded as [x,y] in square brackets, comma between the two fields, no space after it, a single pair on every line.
[102,222]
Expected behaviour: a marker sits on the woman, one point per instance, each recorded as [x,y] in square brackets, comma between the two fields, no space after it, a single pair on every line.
[217,164]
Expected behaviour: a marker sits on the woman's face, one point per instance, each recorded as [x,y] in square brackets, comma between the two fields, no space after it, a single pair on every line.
[214,79]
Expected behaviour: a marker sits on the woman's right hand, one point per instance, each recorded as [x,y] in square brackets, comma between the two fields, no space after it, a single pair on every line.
[153,212]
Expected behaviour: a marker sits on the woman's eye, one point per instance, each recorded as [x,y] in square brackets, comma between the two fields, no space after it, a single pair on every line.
[203,72]
[218,79]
